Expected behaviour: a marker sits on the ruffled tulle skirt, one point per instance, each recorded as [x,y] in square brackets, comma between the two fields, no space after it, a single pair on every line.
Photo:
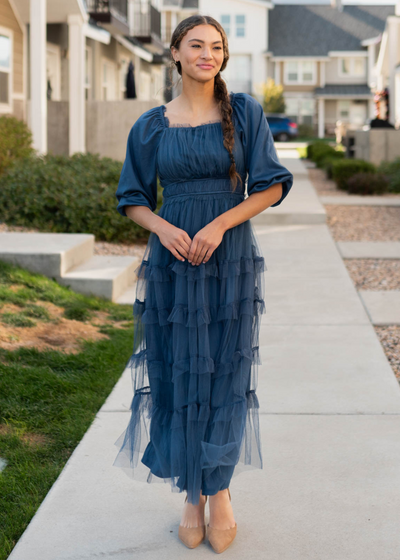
[194,414]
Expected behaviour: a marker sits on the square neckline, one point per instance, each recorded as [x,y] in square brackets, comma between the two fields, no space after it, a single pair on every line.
[168,125]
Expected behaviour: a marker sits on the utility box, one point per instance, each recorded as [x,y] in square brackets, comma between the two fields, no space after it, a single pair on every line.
[374,145]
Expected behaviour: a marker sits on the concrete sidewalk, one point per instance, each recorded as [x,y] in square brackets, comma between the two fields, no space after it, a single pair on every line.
[330,425]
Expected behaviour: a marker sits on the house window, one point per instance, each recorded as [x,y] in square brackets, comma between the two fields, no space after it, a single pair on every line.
[240,25]
[300,72]
[300,110]
[351,66]
[293,71]
[307,71]
[344,110]
[237,74]
[88,73]
[5,70]
[345,65]
[53,71]
[226,23]
[359,66]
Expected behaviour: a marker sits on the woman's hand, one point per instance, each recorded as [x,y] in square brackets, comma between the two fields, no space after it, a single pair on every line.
[174,239]
[205,242]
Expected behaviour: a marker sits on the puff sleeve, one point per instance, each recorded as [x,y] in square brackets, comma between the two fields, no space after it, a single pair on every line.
[262,163]
[137,184]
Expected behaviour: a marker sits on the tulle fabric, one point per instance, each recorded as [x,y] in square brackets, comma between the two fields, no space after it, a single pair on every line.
[195,357]
[194,419]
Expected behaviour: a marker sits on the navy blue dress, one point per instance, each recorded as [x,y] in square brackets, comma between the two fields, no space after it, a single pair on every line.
[194,413]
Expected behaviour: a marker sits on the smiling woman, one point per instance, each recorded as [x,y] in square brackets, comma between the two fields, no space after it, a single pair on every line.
[199,297]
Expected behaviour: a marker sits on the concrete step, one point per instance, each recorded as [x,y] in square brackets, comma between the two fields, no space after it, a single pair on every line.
[108,276]
[69,259]
[128,297]
[51,254]
[383,307]
[369,249]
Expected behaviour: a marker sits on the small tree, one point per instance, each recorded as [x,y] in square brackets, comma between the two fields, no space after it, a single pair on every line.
[15,141]
[273,97]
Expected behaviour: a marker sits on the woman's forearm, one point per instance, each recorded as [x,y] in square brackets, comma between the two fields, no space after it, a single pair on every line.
[144,217]
[253,205]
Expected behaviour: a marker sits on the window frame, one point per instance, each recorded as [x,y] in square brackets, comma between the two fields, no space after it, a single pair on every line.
[240,26]
[227,26]
[300,72]
[352,61]
[8,107]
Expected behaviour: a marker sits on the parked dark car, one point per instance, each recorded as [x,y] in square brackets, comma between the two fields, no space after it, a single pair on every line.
[282,128]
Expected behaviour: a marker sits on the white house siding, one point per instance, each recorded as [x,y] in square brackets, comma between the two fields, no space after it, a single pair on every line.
[332,75]
[248,50]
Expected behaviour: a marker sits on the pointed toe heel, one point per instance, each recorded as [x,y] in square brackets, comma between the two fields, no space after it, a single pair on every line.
[192,536]
[220,539]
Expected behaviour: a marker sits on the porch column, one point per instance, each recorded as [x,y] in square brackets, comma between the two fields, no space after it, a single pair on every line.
[321,118]
[76,53]
[392,52]
[38,109]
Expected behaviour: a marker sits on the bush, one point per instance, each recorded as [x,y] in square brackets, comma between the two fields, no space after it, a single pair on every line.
[343,169]
[67,195]
[368,183]
[328,161]
[312,146]
[392,171]
[15,141]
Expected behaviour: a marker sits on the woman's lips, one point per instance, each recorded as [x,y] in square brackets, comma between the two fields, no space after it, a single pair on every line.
[206,66]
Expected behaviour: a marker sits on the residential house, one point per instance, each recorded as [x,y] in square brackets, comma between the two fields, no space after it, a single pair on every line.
[65,66]
[388,68]
[246,25]
[325,58]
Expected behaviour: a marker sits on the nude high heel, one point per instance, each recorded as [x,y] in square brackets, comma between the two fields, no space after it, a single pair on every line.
[192,536]
[220,539]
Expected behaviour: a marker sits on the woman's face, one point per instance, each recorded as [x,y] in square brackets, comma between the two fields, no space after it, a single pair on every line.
[200,53]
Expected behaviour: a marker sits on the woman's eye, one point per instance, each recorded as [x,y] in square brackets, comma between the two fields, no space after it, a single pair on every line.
[219,48]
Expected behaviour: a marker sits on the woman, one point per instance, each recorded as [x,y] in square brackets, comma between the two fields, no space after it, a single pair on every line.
[199,297]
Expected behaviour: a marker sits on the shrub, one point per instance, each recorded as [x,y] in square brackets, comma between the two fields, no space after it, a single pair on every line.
[15,141]
[328,161]
[343,169]
[368,183]
[67,195]
[392,171]
[312,146]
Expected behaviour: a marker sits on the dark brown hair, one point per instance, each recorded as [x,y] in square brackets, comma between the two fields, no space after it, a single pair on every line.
[220,90]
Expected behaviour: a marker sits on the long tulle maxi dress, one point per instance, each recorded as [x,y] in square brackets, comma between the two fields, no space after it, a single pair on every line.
[194,414]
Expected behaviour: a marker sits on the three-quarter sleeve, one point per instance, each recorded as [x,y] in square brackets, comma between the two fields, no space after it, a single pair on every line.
[137,184]
[262,163]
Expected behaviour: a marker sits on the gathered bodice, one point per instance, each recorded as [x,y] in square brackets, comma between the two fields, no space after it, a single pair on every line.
[193,159]
[191,153]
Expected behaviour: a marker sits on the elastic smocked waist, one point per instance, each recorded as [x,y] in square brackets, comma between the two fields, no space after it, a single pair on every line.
[206,186]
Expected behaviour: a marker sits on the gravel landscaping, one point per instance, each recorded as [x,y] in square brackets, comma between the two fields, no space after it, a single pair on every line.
[366,223]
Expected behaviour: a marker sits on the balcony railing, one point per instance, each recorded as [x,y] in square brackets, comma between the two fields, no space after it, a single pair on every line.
[147,21]
[101,10]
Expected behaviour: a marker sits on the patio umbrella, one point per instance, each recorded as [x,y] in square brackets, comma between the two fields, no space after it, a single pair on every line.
[130,82]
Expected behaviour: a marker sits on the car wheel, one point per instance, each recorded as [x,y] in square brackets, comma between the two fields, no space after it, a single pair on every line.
[283,137]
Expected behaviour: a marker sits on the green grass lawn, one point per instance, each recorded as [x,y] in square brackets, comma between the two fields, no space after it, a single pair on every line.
[49,396]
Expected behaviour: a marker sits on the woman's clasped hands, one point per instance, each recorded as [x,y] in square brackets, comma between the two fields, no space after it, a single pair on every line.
[197,250]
